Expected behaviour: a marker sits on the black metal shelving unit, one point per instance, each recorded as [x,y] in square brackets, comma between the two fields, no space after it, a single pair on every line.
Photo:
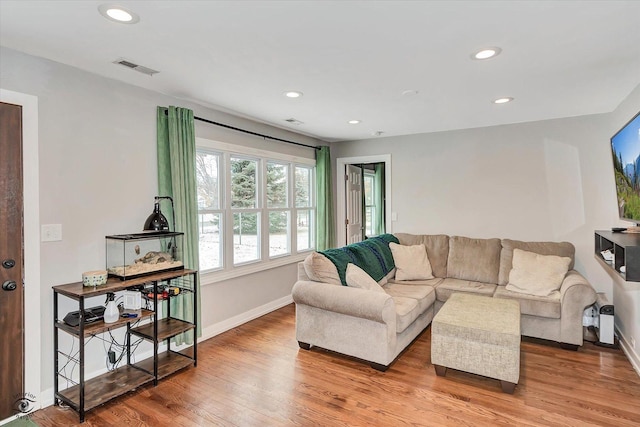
[84,395]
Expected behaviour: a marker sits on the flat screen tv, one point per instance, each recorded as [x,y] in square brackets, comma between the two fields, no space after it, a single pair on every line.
[625,148]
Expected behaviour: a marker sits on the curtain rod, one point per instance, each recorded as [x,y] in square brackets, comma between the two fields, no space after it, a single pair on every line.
[250,132]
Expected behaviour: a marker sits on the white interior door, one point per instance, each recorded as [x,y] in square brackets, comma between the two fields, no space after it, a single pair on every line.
[354,222]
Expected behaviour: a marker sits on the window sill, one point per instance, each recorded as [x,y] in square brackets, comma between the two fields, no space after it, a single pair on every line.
[213,277]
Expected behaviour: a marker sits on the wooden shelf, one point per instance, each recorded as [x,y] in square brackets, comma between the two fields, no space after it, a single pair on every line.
[168,363]
[78,290]
[105,387]
[167,328]
[99,326]
[625,248]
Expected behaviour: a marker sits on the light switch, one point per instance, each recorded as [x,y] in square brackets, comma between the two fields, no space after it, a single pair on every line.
[394,216]
[51,232]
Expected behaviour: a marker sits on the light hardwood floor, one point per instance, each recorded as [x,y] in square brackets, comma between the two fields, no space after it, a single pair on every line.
[255,375]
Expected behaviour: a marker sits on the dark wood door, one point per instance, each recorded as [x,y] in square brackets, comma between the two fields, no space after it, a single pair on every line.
[11,263]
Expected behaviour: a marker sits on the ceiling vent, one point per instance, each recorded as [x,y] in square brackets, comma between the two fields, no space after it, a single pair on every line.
[139,68]
[293,121]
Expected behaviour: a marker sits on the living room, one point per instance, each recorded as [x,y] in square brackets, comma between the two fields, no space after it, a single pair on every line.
[90,165]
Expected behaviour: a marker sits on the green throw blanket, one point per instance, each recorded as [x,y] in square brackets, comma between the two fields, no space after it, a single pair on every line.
[372,255]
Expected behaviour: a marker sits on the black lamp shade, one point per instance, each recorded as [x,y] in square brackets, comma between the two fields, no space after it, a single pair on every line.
[156,221]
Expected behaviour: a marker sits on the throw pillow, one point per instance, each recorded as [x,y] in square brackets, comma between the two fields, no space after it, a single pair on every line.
[358,278]
[411,262]
[319,268]
[536,274]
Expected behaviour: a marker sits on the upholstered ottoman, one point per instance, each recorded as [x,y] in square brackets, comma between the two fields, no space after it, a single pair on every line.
[480,335]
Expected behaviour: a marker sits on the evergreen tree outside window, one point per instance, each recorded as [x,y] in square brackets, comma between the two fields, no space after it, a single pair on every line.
[279,209]
[244,206]
[253,209]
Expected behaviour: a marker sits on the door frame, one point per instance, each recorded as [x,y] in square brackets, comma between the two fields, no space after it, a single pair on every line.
[31,219]
[341,207]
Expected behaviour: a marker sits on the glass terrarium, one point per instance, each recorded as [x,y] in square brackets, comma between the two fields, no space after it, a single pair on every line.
[139,254]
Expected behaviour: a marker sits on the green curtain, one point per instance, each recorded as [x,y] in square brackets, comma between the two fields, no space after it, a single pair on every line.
[325,230]
[379,199]
[177,179]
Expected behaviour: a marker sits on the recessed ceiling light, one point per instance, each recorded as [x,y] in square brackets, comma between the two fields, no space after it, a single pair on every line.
[354,122]
[293,94]
[503,100]
[486,53]
[118,14]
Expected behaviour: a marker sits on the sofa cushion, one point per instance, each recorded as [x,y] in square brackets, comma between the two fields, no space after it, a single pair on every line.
[477,260]
[542,248]
[406,312]
[411,262]
[358,278]
[450,286]
[425,295]
[536,274]
[390,275]
[533,305]
[320,269]
[437,246]
[430,282]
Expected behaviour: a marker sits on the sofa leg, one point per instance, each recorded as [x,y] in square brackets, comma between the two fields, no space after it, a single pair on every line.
[507,387]
[441,371]
[572,347]
[304,345]
[379,367]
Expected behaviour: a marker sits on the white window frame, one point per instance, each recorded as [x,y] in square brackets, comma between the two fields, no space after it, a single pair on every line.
[368,174]
[265,262]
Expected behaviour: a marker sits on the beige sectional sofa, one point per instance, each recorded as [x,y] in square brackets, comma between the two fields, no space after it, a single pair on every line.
[377,326]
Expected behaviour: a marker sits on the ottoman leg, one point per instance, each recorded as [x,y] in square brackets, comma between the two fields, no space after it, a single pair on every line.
[441,371]
[304,345]
[508,387]
[379,367]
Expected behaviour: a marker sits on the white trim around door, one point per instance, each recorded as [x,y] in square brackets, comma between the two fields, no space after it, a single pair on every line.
[341,163]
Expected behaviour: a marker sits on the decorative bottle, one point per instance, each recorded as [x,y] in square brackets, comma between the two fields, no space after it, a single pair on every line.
[112,313]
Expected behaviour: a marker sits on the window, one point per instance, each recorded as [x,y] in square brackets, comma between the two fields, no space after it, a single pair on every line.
[369,204]
[278,208]
[244,209]
[254,207]
[305,210]
[210,214]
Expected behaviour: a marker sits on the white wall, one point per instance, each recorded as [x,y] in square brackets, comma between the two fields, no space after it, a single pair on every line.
[547,180]
[98,176]
[626,295]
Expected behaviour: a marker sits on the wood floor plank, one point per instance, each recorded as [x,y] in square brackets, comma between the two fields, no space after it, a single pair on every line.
[256,375]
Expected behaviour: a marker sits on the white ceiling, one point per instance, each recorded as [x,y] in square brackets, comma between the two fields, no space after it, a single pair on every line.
[353,59]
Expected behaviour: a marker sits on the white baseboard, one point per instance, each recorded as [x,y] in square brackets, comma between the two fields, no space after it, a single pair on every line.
[46,396]
[235,321]
[629,351]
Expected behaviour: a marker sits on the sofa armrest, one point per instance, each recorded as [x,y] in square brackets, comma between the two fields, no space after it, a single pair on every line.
[362,303]
[576,293]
